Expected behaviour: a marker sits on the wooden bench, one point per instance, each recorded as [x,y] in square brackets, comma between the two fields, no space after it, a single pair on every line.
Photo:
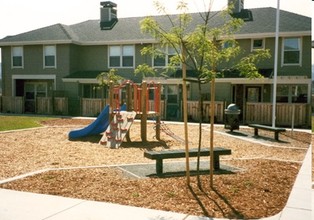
[168,154]
[276,130]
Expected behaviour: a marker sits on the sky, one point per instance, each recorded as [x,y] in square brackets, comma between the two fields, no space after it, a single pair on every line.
[19,16]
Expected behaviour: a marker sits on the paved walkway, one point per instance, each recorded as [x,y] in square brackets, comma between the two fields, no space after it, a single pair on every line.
[15,205]
[301,199]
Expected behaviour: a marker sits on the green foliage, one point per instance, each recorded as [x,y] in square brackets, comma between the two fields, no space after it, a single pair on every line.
[105,78]
[20,122]
[203,44]
[145,70]
[171,194]
[247,65]
[136,194]
[202,47]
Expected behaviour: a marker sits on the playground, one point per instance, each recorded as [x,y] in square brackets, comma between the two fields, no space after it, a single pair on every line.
[257,185]
[103,159]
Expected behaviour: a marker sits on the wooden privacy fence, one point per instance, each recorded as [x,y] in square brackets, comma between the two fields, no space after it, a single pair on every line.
[44,105]
[12,104]
[61,105]
[151,107]
[49,105]
[193,111]
[287,114]
[92,107]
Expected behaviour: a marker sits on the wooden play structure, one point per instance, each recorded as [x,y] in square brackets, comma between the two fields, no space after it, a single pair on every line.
[136,97]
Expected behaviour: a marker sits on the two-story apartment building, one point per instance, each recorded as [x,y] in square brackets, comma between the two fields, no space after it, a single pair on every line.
[64,60]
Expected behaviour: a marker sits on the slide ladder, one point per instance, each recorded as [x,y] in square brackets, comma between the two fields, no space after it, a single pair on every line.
[117,129]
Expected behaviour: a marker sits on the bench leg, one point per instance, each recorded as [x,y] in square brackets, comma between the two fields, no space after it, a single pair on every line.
[159,166]
[255,131]
[216,162]
[276,136]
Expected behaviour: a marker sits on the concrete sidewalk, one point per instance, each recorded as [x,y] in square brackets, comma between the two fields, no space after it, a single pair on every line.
[30,206]
[300,202]
[16,205]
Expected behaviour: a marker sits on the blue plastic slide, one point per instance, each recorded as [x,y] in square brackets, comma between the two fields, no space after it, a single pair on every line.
[96,127]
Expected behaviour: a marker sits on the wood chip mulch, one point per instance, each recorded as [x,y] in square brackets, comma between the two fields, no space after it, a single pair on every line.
[261,188]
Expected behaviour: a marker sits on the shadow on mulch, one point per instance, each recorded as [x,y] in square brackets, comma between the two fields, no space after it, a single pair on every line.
[136,144]
[92,139]
[145,145]
[261,138]
[236,133]
[173,169]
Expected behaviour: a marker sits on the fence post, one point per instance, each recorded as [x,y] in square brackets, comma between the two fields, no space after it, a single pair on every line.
[144,112]
[128,105]
[111,93]
[158,111]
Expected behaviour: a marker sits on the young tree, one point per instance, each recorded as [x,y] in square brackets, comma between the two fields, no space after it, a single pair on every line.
[208,49]
[105,78]
[144,70]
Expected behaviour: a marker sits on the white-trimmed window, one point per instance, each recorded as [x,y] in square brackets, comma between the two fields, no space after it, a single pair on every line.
[121,56]
[292,93]
[17,57]
[257,44]
[50,55]
[163,55]
[291,51]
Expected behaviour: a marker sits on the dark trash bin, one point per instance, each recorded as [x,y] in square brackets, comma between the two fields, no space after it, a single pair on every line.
[232,121]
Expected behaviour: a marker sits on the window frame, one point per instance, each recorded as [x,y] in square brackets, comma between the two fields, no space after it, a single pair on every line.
[45,66]
[12,58]
[166,59]
[284,51]
[257,48]
[122,58]
[93,91]
[292,93]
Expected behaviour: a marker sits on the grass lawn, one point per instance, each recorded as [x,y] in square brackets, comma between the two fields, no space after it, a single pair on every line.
[20,122]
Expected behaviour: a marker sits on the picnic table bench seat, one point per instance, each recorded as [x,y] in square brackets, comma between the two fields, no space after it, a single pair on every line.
[159,156]
[276,130]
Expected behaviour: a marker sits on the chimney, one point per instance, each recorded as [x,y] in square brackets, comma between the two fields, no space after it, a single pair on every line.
[238,10]
[108,15]
[237,5]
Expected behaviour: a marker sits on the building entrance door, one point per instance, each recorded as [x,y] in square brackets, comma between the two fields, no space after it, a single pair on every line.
[173,104]
[253,94]
[32,90]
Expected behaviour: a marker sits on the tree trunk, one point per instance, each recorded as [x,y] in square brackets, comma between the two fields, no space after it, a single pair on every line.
[200,111]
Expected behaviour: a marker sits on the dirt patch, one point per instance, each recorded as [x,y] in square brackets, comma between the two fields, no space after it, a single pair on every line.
[261,187]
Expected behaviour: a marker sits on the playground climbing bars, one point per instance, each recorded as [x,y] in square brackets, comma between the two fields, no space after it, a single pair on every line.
[137,101]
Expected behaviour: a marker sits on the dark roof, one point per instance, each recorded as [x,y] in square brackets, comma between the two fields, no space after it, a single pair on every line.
[267,73]
[57,32]
[84,75]
[127,30]
[230,73]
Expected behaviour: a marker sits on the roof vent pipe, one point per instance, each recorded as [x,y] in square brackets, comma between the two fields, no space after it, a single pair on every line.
[108,15]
